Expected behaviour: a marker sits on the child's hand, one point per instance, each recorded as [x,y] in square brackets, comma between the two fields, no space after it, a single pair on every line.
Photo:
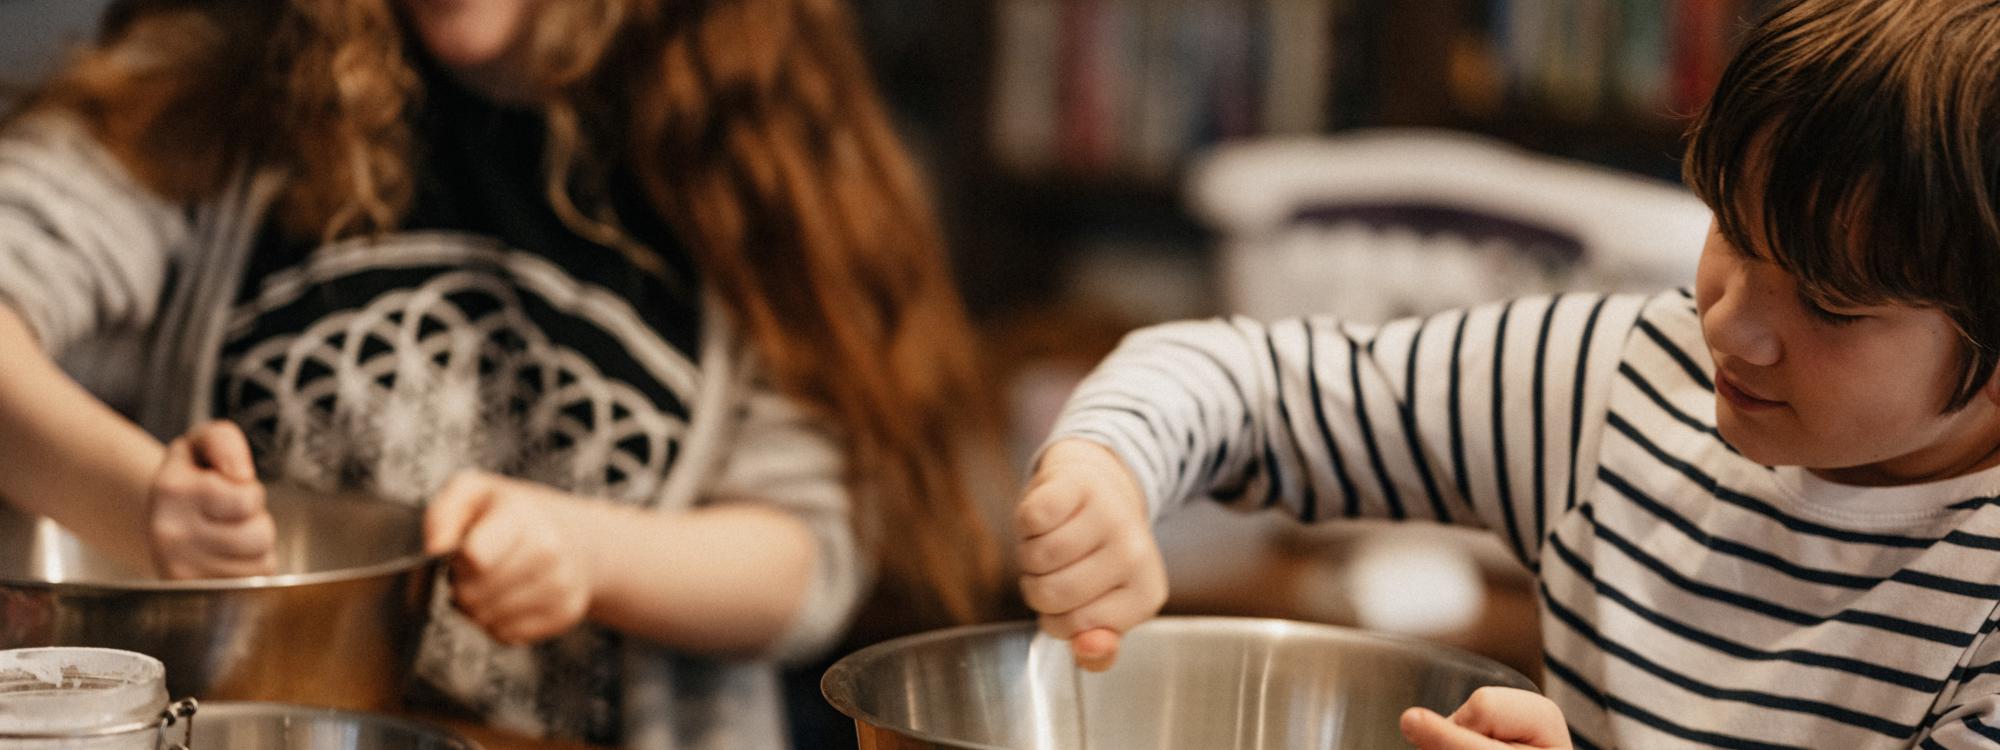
[1492,719]
[521,571]
[1089,562]
[205,514]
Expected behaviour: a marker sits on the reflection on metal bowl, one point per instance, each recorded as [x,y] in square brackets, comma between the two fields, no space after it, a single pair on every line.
[337,626]
[1199,683]
[276,726]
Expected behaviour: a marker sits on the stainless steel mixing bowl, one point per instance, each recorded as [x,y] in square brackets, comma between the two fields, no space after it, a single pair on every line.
[276,726]
[337,626]
[1200,683]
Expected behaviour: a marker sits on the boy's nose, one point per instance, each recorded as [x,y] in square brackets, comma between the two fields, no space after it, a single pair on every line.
[1738,325]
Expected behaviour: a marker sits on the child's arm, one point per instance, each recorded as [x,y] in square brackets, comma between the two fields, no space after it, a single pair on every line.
[1478,417]
[767,566]
[531,562]
[84,249]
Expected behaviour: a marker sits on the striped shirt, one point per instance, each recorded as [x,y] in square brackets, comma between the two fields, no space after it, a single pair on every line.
[1689,596]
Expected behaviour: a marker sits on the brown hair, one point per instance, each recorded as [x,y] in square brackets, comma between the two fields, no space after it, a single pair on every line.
[754,131]
[1869,131]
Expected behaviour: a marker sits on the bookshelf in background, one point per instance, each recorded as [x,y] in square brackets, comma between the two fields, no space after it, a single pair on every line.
[1124,90]
[1120,92]
[1053,126]
[1611,81]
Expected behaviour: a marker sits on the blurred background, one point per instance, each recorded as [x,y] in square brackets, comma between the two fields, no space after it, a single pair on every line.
[1105,164]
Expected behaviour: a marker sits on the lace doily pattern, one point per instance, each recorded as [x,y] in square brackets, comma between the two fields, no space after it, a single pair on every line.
[455,370]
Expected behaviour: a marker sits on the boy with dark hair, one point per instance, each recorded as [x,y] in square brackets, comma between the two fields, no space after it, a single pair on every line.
[1762,513]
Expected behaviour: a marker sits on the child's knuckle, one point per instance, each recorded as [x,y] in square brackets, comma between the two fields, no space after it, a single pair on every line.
[168,533]
[1035,593]
[174,485]
[263,533]
[1027,516]
[1129,549]
[1035,559]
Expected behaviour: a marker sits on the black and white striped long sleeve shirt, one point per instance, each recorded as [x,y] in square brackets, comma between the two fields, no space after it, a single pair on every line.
[1689,596]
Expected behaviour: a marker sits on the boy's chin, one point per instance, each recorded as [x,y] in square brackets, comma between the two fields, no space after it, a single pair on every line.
[1785,450]
[1753,444]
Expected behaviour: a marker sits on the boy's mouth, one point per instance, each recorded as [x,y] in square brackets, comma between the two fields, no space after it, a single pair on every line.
[1727,388]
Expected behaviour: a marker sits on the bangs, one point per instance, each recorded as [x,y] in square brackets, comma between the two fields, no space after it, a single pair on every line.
[1845,144]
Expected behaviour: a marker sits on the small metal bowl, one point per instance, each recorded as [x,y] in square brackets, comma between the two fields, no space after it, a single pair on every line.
[1194,683]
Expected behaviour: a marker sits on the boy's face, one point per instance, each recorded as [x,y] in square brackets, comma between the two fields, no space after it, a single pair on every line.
[1854,393]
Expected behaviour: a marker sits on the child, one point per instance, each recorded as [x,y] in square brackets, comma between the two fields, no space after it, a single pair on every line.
[1761,514]
[642,299]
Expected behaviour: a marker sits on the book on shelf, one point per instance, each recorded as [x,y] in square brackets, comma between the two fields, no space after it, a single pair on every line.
[1642,59]
[1026,106]
[1700,46]
[1300,67]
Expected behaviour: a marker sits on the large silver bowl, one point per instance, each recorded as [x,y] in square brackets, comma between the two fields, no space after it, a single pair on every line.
[1198,683]
[337,626]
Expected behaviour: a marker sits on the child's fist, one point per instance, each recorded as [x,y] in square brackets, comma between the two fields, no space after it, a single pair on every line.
[521,570]
[1494,718]
[1085,543]
[205,513]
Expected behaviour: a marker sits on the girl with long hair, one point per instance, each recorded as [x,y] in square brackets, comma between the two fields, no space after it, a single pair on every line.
[641,298]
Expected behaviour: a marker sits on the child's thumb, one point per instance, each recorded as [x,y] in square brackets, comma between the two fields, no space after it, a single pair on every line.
[220,445]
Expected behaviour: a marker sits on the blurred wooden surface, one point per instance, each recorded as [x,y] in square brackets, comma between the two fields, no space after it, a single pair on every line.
[495,739]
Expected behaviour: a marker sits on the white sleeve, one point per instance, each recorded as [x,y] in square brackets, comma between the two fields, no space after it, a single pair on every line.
[783,456]
[84,248]
[1480,417]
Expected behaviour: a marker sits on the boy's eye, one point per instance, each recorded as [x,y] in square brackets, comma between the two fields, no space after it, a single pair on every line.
[1821,312]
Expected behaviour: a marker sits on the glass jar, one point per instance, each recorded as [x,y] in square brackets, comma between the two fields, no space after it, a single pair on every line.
[81,699]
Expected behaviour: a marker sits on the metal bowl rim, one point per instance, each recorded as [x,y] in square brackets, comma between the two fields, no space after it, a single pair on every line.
[846,666]
[210,709]
[849,664]
[200,585]
[275,493]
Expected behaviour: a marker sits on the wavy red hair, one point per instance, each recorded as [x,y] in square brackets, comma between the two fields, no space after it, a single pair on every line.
[753,128]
